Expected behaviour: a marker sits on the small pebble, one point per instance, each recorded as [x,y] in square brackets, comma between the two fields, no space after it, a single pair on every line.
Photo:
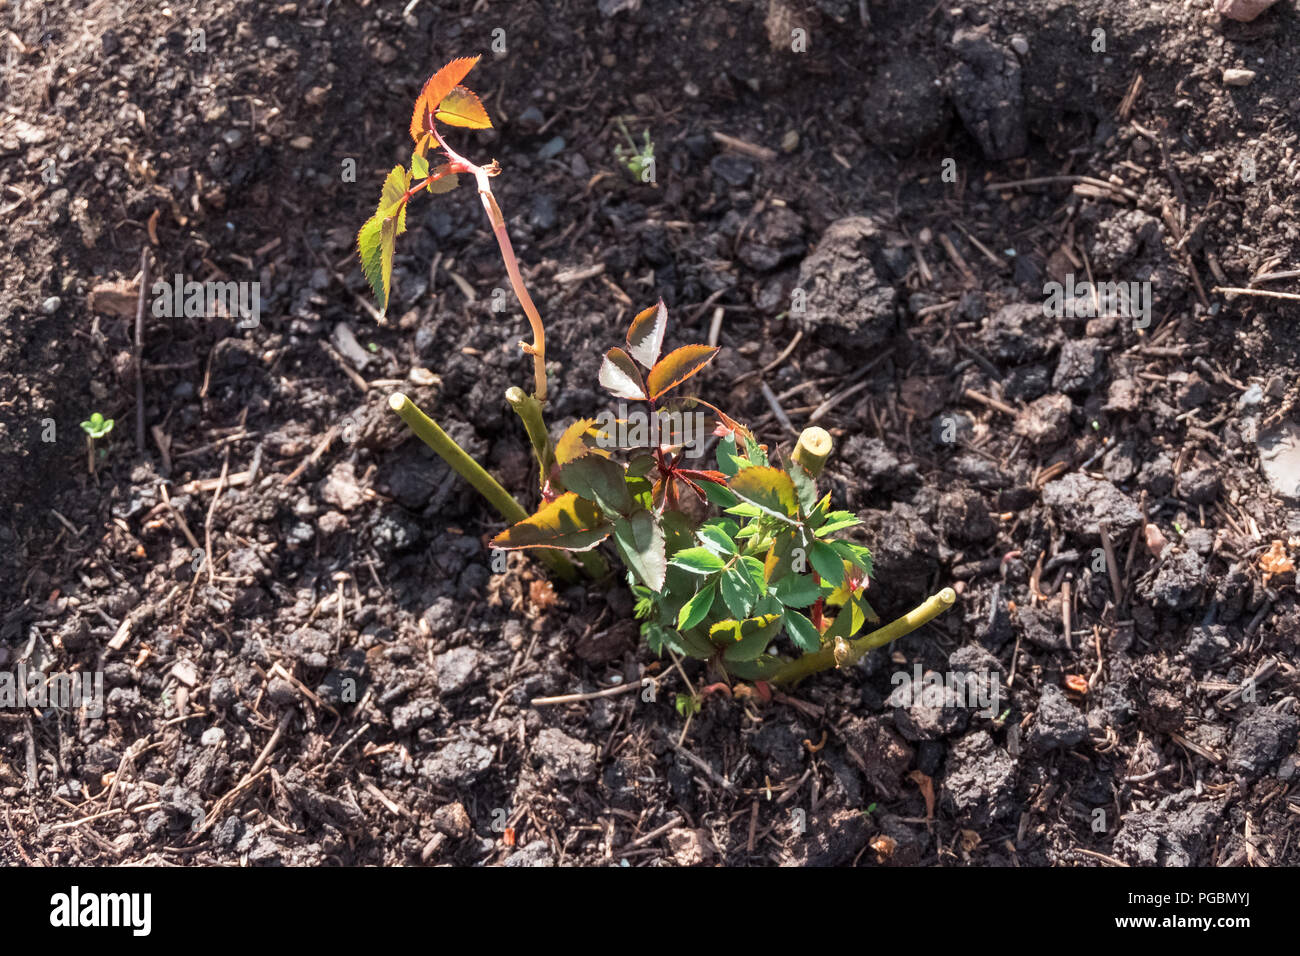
[1251,396]
[552,148]
[1235,77]
[1020,44]
[51,305]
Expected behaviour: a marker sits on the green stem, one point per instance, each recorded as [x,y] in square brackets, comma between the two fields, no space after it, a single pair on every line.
[909,622]
[427,430]
[529,409]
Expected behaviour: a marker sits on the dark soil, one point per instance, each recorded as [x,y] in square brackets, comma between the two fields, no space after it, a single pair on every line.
[347,680]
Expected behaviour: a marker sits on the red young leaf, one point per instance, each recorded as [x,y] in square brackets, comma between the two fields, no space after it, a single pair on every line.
[618,374]
[677,366]
[645,337]
[436,90]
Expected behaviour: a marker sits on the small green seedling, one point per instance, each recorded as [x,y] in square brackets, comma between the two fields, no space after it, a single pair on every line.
[95,427]
[640,162]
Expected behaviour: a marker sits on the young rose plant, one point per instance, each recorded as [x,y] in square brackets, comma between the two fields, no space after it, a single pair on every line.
[768,573]
[723,589]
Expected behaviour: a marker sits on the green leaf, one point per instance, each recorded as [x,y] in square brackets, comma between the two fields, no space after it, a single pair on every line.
[645,337]
[729,460]
[655,636]
[698,561]
[677,531]
[97,426]
[754,568]
[754,451]
[777,562]
[444,181]
[739,591]
[697,608]
[826,561]
[854,554]
[640,542]
[389,230]
[818,514]
[838,521]
[419,166]
[762,667]
[719,495]
[848,622]
[693,644]
[797,590]
[676,367]
[641,466]
[569,522]
[804,485]
[802,632]
[619,375]
[768,489]
[717,540]
[378,237]
[753,636]
[600,480]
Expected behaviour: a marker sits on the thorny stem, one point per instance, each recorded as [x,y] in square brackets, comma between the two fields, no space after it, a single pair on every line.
[428,432]
[825,658]
[482,176]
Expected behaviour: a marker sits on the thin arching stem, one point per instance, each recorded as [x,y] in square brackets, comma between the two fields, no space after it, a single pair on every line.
[482,176]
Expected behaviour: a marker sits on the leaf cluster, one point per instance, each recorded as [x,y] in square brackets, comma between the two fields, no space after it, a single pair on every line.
[723,562]
[442,99]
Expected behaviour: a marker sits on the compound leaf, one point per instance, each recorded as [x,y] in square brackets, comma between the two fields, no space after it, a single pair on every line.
[436,90]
